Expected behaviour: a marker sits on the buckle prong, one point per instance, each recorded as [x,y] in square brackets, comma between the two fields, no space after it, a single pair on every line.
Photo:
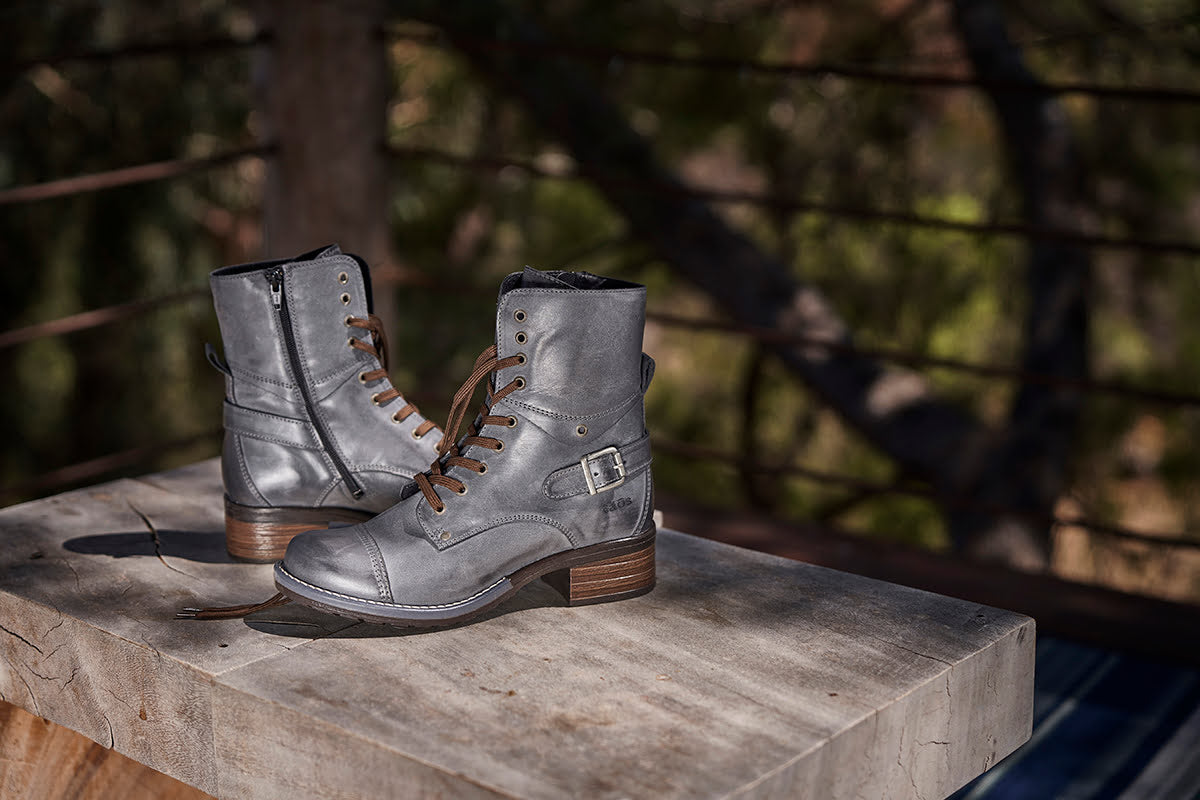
[618,462]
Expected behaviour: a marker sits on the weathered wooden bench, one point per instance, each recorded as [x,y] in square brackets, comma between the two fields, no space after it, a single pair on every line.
[741,674]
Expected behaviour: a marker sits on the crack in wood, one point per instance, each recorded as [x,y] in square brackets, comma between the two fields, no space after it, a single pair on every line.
[67,563]
[74,672]
[154,538]
[22,638]
[29,689]
[909,649]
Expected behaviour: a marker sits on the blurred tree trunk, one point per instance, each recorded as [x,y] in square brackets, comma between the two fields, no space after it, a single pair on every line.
[322,91]
[1027,465]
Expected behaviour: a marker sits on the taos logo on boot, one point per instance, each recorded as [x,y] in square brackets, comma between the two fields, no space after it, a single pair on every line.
[620,502]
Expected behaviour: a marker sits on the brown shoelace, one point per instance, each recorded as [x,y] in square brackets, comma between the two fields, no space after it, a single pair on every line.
[377,348]
[448,453]
[232,612]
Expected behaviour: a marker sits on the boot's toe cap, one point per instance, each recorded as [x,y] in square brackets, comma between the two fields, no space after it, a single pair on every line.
[337,560]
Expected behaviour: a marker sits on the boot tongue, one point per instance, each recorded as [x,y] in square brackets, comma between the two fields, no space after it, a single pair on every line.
[532,278]
[318,254]
[536,279]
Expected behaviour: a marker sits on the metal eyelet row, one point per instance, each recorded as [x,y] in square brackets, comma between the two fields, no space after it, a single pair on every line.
[521,338]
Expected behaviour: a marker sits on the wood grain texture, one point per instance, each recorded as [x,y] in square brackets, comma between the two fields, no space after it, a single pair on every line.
[742,674]
[43,761]
[89,583]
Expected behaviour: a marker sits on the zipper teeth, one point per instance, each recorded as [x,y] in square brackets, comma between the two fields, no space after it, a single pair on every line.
[298,373]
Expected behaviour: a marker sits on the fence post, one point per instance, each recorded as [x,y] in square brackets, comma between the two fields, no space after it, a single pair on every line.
[321,93]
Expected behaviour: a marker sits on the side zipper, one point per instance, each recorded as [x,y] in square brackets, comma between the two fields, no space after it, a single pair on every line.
[279,300]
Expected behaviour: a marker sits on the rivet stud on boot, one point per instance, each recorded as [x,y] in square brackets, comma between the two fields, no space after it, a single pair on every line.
[551,480]
[314,432]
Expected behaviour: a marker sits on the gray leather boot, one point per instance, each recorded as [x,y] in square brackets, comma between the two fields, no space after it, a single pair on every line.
[314,432]
[551,480]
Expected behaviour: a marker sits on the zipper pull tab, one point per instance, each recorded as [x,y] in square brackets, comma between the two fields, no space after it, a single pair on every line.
[275,277]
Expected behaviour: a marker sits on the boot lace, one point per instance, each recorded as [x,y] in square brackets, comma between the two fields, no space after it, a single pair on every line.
[449,452]
[377,348]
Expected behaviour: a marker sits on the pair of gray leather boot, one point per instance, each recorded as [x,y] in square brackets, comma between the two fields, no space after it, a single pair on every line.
[551,478]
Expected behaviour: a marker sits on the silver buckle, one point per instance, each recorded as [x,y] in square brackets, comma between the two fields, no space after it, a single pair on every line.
[586,461]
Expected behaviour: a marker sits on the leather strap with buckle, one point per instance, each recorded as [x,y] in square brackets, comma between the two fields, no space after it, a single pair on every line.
[599,471]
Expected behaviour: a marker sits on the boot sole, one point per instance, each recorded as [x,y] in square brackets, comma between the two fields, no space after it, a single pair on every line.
[599,573]
[262,534]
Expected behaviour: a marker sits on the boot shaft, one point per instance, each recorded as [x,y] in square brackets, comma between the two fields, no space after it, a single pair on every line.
[581,335]
[311,418]
[264,308]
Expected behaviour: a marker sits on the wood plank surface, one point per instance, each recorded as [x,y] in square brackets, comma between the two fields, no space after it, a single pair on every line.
[742,674]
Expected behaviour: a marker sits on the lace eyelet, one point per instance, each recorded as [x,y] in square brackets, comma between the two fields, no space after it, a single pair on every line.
[521,337]
[512,422]
[343,277]
[482,468]
[414,434]
[444,535]
[519,315]
[395,420]
[362,377]
[462,491]
[500,449]
[581,430]
[345,299]
[375,398]
[519,382]
[440,512]
[350,342]
[349,320]
[521,359]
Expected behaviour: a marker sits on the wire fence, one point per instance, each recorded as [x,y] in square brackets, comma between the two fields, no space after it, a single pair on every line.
[793,205]
[166,170]
[616,56]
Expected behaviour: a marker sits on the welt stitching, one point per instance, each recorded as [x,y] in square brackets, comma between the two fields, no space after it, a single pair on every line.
[455,604]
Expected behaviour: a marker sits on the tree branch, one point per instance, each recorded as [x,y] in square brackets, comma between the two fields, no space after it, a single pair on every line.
[1028,465]
[892,408]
